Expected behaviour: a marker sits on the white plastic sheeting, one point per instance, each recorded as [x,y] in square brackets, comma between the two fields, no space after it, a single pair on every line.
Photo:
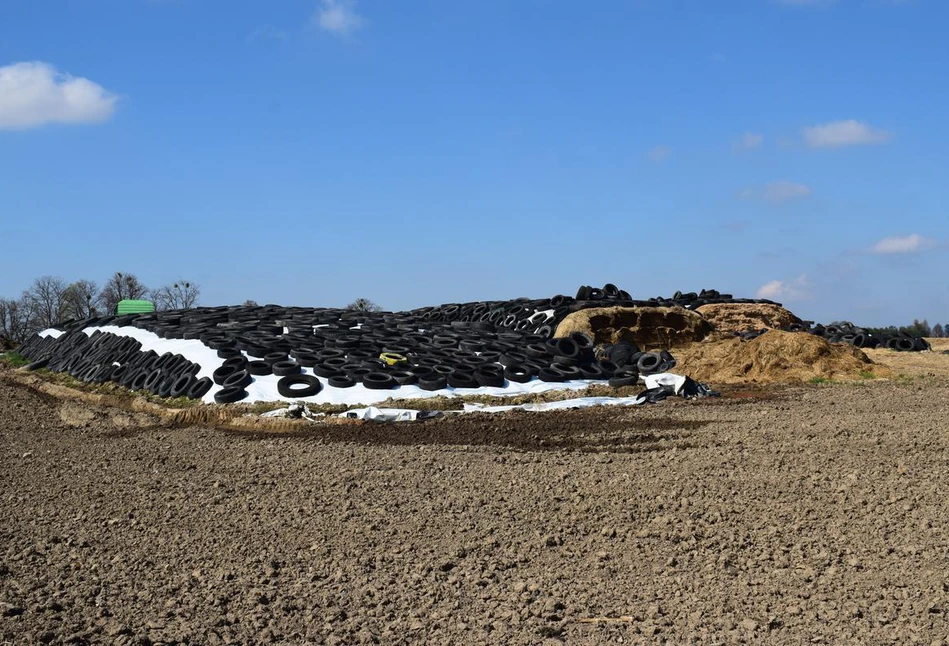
[264,388]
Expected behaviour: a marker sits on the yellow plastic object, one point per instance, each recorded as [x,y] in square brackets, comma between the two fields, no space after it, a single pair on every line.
[393,359]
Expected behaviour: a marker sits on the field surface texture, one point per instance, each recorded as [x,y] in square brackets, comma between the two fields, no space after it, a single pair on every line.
[813,514]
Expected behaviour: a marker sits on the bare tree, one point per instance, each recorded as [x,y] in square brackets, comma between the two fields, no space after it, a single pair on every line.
[120,287]
[79,300]
[250,303]
[45,301]
[363,305]
[177,296]
[15,321]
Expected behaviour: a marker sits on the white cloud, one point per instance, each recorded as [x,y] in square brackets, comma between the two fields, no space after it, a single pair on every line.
[337,16]
[748,141]
[34,93]
[793,290]
[843,133]
[912,243]
[659,153]
[776,192]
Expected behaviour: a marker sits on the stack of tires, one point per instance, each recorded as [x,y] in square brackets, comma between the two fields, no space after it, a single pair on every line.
[309,350]
[862,338]
[104,357]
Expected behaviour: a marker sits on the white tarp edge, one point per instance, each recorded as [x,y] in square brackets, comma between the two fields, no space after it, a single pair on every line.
[264,388]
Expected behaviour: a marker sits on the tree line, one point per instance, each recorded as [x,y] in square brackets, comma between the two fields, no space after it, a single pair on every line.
[918,328]
[50,300]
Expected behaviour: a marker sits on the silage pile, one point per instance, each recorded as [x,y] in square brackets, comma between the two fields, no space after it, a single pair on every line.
[735,318]
[775,357]
[647,327]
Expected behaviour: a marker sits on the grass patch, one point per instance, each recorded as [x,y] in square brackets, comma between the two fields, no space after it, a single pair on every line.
[14,360]
[820,381]
[866,374]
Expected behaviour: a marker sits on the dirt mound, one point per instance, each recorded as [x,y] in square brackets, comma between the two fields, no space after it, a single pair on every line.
[776,357]
[744,317]
[648,327]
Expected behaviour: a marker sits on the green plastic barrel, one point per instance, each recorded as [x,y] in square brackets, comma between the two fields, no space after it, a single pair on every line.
[134,307]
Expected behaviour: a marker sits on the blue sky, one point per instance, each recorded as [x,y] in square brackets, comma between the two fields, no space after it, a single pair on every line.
[309,152]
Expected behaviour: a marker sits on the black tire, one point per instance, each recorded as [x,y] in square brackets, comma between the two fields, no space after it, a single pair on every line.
[905,345]
[120,374]
[422,371]
[378,381]
[286,367]
[565,347]
[36,365]
[225,371]
[164,388]
[518,373]
[622,353]
[181,386]
[138,382]
[648,363]
[462,379]
[545,331]
[153,381]
[536,351]
[239,361]
[582,340]
[341,381]
[200,388]
[307,359]
[433,382]
[104,374]
[624,378]
[568,372]
[274,357]
[230,395]
[551,375]
[326,371]
[404,377]
[491,375]
[512,358]
[240,379]
[229,353]
[592,371]
[287,383]
[259,368]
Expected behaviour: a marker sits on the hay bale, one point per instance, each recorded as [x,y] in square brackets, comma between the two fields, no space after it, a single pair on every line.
[648,327]
[733,318]
[776,357]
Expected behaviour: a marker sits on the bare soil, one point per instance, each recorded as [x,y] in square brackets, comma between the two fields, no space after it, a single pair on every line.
[774,515]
